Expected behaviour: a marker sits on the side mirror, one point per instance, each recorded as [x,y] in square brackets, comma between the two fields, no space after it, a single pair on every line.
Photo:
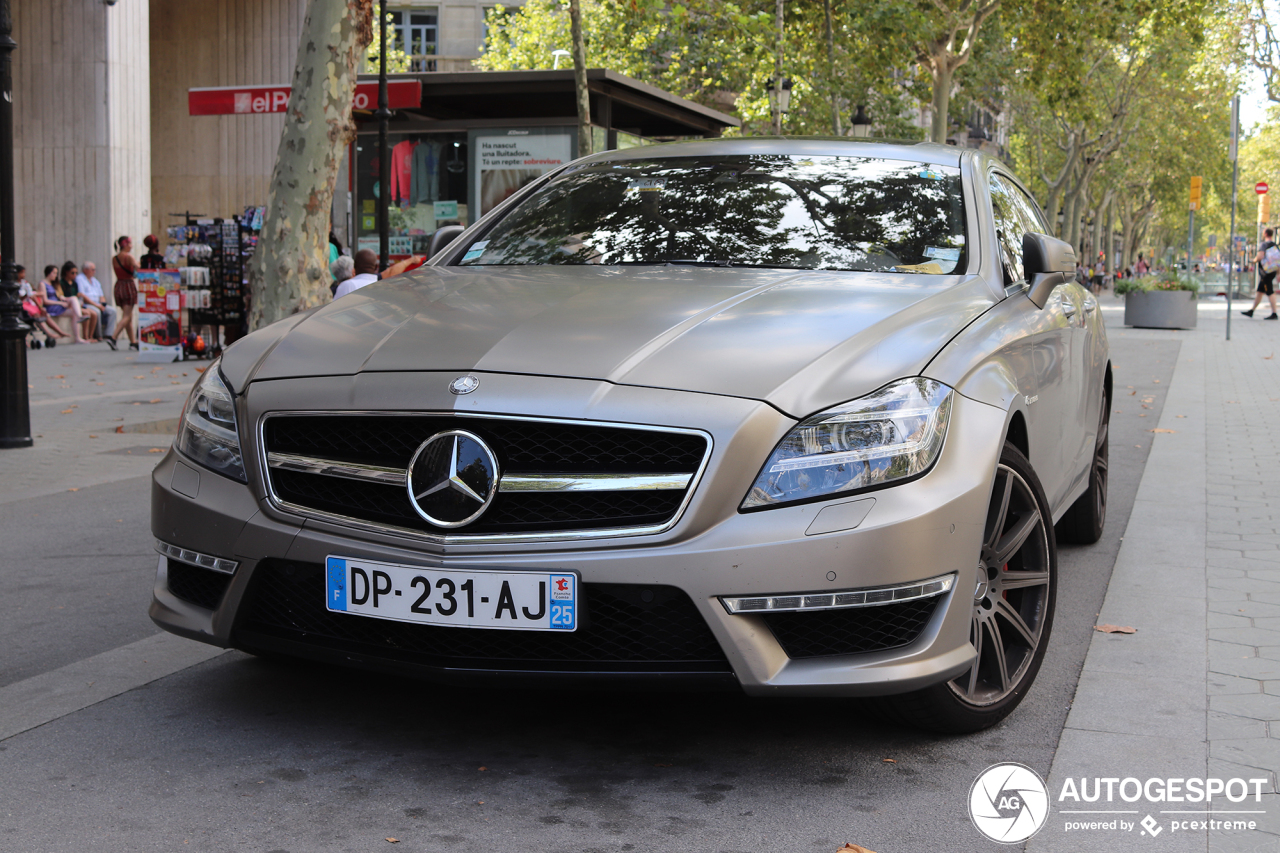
[1046,262]
[442,238]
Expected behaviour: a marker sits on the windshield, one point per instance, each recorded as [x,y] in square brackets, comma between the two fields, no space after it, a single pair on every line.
[847,213]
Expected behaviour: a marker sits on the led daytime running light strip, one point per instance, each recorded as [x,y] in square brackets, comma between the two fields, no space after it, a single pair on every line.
[819,460]
[841,600]
[195,558]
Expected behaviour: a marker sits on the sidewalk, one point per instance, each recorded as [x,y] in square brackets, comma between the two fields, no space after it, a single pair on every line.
[1195,693]
[80,397]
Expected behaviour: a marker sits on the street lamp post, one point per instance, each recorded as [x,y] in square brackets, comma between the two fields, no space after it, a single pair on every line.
[15,410]
[860,124]
[384,156]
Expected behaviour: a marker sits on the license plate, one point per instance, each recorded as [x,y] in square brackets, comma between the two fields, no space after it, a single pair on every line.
[471,598]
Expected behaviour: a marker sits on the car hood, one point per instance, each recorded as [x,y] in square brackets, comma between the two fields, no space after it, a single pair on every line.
[800,340]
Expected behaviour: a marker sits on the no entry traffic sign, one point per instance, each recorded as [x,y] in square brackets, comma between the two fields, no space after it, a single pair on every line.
[1261,188]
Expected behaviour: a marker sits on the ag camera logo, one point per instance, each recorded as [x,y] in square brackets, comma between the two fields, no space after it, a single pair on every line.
[1008,803]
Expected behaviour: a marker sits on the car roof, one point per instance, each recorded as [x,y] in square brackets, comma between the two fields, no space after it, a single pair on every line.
[814,146]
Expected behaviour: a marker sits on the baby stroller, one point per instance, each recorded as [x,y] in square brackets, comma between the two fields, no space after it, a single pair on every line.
[29,316]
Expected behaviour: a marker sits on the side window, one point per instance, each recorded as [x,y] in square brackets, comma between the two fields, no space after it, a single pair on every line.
[1028,211]
[1009,227]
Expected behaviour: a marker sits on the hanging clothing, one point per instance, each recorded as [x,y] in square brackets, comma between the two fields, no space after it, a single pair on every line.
[426,173]
[402,171]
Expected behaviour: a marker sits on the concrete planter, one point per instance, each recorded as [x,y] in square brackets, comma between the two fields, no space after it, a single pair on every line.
[1160,309]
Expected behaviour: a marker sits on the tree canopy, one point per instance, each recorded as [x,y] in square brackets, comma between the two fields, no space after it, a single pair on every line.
[1105,108]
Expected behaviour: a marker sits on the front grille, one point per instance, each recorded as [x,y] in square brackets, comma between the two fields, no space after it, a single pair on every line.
[622,628]
[201,587]
[522,448]
[821,633]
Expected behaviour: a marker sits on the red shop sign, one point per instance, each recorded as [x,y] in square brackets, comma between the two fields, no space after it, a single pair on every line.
[237,100]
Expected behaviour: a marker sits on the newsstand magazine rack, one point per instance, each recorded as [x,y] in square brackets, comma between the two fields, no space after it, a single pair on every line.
[223,246]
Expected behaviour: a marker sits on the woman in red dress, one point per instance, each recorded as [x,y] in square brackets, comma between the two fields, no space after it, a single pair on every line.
[126,289]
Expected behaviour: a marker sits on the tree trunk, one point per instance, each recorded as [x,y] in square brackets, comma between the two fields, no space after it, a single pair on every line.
[585,143]
[942,75]
[831,69]
[290,270]
[777,70]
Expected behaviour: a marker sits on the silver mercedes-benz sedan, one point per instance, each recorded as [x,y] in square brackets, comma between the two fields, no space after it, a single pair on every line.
[798,417]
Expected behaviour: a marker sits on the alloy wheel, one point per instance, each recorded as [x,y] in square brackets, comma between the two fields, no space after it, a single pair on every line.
[1012,598]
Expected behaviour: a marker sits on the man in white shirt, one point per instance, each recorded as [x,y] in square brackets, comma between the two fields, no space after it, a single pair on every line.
[93,299]
[366,265]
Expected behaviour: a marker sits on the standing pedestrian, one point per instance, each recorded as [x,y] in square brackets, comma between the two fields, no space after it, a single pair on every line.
[1266,280]
[126,289]
[94,299]
[152,260]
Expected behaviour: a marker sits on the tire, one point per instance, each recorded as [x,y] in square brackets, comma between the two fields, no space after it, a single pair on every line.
[1012,611]
[1083,522]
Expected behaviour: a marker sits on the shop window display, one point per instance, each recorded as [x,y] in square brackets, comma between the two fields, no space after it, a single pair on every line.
[428,188]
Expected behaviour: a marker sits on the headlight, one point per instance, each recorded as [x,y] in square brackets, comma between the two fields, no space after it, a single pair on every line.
[894,434]
[207,433]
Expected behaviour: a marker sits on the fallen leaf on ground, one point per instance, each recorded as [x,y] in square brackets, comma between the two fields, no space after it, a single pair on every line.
[91,435]
[59,376]
[853,848]
[889,760]
[76,489]
[201,369]
[156,450]
[1115,629]
[1233,401]
[172,375]
[139,377]
[1157,381]
[1132,393]
[1161,429]
[1179,416]
[99,383]
[154,401]
[1269,357]
[393,840]
[175,383]
[119,429]
[484,768]
[67,411]
[1142,416]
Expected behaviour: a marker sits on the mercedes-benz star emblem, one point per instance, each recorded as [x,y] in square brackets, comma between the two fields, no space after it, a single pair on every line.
[452,478]
[464,384]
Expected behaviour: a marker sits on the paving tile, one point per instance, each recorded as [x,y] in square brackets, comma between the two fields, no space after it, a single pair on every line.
[1221,684]
[1257,706]
[1247,667]
[1218,619]
[1230,727]
[1254,609]
[1244,636]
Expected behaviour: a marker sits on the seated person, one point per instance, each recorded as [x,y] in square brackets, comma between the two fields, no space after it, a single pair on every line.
[71,290]
[56,304]
[33,309]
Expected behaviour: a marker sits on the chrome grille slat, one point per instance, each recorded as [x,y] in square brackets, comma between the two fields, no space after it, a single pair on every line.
[508,483]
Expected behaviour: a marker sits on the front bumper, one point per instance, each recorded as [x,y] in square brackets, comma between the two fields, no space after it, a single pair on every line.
[921,529]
